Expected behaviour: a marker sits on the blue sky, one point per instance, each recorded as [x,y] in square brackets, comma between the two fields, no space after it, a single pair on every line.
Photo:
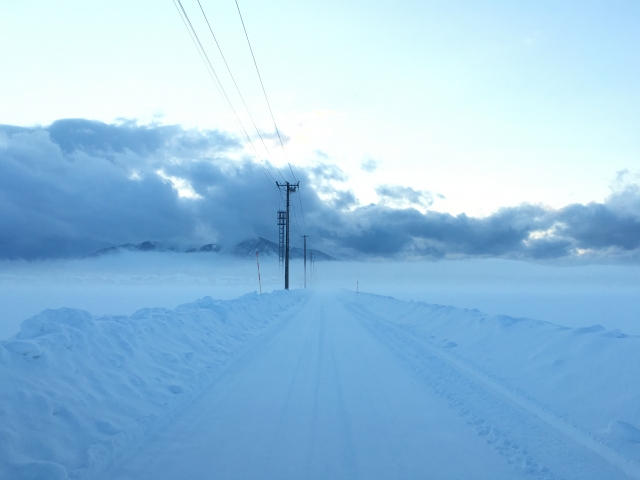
[475,105]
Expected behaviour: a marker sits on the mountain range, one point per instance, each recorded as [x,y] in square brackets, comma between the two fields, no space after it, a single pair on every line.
[246,248]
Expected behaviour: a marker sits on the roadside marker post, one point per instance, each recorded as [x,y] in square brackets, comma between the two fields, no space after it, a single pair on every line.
[259,280]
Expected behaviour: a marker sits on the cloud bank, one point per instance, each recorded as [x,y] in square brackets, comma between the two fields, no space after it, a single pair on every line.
[77,185]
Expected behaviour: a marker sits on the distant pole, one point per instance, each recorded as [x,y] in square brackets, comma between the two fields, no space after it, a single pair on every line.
[305,259]
[282,222]
[311,262]
[289,188]
[356,286]
[259,280]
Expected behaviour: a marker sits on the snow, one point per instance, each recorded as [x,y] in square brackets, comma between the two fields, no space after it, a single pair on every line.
[77,389]
[316,384]
[582,377]
[575,296]
[123,283]
[571,295]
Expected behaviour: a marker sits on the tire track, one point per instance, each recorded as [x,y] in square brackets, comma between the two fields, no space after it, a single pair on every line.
[554,449]
[349,451]
[294,382]
[316,383]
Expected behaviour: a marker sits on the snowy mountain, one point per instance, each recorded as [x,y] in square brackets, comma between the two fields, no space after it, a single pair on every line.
[266,247]
[245,248]
[147,246]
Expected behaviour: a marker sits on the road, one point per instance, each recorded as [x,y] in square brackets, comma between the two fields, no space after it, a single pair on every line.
[332,391]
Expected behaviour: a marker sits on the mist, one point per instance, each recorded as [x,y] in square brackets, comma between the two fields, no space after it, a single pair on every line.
[121,283]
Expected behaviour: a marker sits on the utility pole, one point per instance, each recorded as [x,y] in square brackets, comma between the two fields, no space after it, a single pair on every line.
[282,221]
[305,259]
[289,188]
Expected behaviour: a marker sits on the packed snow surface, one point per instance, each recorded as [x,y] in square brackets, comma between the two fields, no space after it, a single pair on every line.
[316,384]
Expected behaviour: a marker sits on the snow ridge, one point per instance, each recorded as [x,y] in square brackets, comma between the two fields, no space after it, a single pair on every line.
[78,389]
[578,381]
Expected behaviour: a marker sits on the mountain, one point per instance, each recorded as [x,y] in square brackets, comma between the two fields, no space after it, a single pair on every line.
[266,247]
[209,247]
[150,246]
[243,249]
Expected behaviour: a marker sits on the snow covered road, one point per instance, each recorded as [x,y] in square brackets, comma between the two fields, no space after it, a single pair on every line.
[320,399]
[337,392]
[316,384]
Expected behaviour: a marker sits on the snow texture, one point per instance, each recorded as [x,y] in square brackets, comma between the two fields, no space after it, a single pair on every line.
[78,389]
[317,384]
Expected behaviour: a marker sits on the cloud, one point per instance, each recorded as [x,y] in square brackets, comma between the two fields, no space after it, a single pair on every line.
[369,165]
[79,185]
[76,186]
[399,196]
[325,172]
[323,178]
[276,136]
[599,226]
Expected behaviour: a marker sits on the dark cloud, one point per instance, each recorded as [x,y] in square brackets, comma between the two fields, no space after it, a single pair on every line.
[88,185]
[598,226]
[344,200]
[77,186]
[591,232]
[97,138]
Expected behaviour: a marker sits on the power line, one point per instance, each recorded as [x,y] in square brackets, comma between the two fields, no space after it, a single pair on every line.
[220,87]
[269,105]
[295,217]
[236,85]
[304,222]
[263,89]
[203,54]
[212,71]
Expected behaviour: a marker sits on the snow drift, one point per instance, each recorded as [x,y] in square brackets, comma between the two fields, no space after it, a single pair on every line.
[586,376]
[76,389]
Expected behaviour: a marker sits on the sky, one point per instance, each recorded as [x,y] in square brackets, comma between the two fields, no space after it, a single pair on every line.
[439,128]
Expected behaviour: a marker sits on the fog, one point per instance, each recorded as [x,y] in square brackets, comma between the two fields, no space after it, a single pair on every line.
[121,283]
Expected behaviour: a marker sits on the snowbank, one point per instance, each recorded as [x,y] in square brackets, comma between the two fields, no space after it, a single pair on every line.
[587,376]
[122,283]
[76,389]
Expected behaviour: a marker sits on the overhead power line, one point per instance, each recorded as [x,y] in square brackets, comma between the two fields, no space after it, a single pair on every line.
[302,212]
[203,54]
[261,82]
[269,105]
[236,85]
[220,87]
